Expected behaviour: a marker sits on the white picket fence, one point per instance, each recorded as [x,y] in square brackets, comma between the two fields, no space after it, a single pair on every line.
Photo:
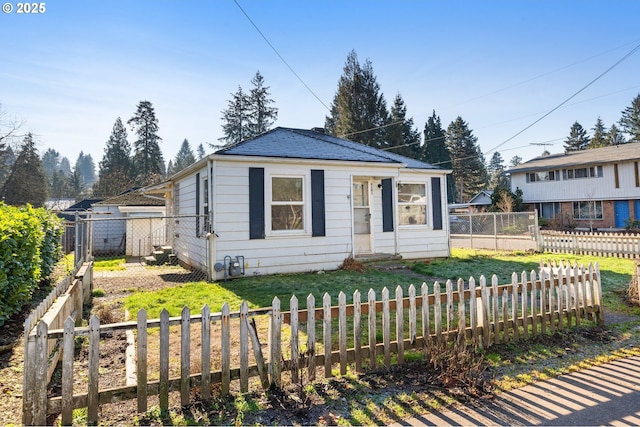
[362,334]
[621,245]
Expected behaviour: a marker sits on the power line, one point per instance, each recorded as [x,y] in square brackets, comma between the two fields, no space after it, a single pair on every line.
[631,52]
[280,56]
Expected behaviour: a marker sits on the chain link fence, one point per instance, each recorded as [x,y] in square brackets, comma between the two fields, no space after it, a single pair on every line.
[495,230]
[135,252]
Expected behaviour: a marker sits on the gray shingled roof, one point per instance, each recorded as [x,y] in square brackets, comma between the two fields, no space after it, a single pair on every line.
[595,156]
[308,144]
[132,199]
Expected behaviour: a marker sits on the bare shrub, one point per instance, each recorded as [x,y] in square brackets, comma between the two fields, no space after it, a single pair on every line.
[350,264]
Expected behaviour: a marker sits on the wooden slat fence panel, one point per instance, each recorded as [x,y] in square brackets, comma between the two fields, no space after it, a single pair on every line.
[562,295]
[619,245]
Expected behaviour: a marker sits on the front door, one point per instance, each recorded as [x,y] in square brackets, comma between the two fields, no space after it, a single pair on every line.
[361,218]
[621,209]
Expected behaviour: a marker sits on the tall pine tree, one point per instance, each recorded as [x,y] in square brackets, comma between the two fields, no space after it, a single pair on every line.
[27,182]
[200,152]
[614,136]
[401,132]
[497,175]
[358,111]
[184,158]
[115,173]
[599,137]
[148,163]
[86,168]
[235,119]
[577,139]
[630,120]
[435,151]
[469,172]
[261,114]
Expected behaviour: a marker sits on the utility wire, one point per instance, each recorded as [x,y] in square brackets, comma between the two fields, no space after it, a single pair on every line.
[280,56]
[631,52]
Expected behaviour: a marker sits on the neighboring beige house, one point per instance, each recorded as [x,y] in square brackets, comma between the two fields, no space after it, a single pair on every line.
[597,188]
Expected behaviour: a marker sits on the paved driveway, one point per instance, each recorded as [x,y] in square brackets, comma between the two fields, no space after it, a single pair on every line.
[604,395]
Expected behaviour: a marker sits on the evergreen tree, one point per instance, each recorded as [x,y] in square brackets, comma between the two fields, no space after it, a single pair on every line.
[235,119]
[170,168]
[115,169]
[65,166]
[184,157]
[148,164]
[401,132]
[467,164]
[200,152]
[599,137]
[515,161]
[577,139]
[7,159]
[434,151]
[86,168]
[50,162]
[58,188]
[614,136]
[497,175]
[630,120]
[75,185]
[261,115]
[27,182]
[358,111]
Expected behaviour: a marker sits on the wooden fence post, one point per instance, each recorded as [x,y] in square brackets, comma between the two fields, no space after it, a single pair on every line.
[293,339]
[94,365]
[141,366]
[225,337]
[449,306]
[40,375]
[515,310]
[473,312]
[244,348]
[357,330]
[495,314]
[67,371]
[412,314]
[371,300]
[342,331]
[311,336]
[400,325]
[462,326]
[326,328]
[164,361]
[426,324]
[185,355]
[275,343]
[386,327]
[525,302]
[437,313]
[205,353]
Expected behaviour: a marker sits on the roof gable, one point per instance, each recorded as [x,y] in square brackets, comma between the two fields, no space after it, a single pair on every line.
[308,144]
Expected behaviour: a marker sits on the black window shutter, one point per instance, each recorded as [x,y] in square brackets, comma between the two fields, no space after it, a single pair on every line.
[317,203]
[436,203]
[387,204]
[256,203]
[198,204]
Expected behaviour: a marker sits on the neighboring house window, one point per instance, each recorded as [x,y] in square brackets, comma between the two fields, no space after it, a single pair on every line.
[287,203]
[578,173]
[548,210]
[587,210]
[637,172]
[412,204]
[543,176]
[615,175]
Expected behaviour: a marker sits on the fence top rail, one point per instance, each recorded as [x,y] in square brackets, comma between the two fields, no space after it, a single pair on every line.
[155,323]
[108,216]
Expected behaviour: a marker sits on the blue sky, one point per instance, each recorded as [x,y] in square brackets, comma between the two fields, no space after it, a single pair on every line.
[500,65]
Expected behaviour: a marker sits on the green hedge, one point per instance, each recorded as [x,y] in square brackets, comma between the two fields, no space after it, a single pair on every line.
[29,250]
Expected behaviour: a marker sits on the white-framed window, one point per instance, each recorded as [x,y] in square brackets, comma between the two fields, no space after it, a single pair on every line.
[543,176]
[591,209]
[412,203]
[579,173]
[287,204]
[205,206]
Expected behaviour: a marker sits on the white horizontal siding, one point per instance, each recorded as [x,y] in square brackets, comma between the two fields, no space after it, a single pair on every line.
[583,189]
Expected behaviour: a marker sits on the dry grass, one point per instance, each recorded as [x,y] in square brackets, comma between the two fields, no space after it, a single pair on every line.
[350,264]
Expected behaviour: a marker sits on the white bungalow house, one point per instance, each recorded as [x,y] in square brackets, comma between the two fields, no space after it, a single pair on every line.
[596,188]
[294,200]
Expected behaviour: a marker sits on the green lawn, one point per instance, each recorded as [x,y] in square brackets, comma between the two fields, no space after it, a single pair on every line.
[259,291]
